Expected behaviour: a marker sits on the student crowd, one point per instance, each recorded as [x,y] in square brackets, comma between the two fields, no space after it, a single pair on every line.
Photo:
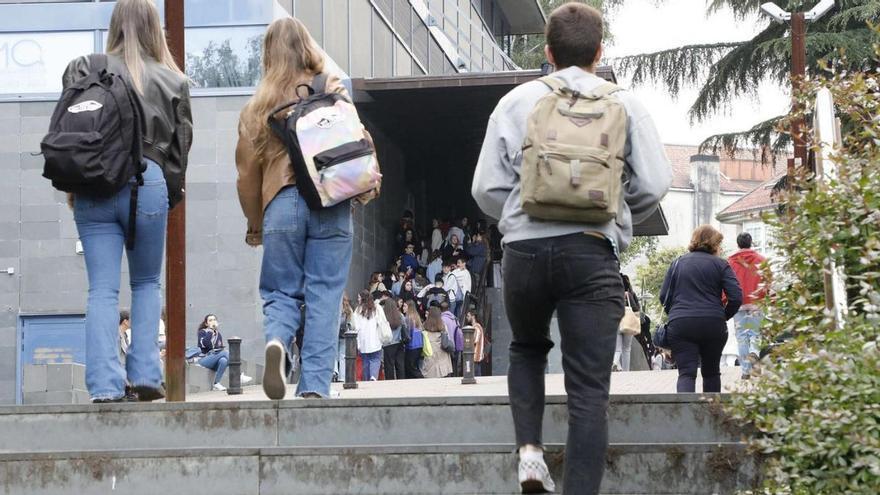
[409,318]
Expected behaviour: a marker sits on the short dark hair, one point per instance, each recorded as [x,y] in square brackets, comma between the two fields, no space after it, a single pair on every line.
[744,240]
[444,306]
[574,35]
[438,278]
[123,315]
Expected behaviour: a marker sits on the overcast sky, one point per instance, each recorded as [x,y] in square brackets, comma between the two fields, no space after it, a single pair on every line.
[639,26]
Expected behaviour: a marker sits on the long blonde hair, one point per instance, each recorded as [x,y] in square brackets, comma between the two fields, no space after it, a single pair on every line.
[290,55]
[136,32]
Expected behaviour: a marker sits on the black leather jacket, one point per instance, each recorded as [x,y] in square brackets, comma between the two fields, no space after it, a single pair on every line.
[168,131]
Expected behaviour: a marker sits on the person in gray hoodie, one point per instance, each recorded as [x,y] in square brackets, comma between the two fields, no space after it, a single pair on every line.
[565,267]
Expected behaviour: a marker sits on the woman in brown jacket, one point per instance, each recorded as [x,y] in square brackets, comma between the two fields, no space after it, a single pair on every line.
[306,254]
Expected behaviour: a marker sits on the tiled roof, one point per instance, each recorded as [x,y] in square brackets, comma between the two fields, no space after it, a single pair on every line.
[758,199]
[739,174]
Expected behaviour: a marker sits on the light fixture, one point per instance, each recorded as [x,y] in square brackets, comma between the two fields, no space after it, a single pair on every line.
[775,12]
[819,10]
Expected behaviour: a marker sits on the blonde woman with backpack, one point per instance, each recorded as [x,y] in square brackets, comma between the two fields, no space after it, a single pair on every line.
[306,251]
[137,51]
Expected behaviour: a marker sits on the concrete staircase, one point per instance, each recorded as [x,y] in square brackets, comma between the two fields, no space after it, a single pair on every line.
[660,444]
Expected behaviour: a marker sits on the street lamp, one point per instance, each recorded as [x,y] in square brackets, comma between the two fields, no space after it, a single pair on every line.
[798,64]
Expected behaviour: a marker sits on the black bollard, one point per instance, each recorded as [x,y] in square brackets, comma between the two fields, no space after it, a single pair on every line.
[351,349]
[467,376]
[234,366]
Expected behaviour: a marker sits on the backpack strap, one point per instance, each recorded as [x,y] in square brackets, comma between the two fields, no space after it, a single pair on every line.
[554,83]
[605,89]
[319,83]
[97,62]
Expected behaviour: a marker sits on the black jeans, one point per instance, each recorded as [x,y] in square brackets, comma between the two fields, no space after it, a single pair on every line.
[698,343]
[413,360]
[394,359]
[577,276]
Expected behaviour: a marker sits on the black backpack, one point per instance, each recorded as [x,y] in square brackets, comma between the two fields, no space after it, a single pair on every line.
[95,140]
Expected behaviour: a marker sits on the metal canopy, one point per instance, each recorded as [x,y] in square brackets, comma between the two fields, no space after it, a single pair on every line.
[439,123]
[524,16]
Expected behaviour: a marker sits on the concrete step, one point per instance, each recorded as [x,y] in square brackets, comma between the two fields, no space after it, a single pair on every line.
[633,419]
[399,469]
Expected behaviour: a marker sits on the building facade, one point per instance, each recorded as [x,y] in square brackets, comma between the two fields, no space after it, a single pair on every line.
[42,275]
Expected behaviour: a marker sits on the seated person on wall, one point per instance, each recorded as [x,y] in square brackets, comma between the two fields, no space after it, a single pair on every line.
[215,356]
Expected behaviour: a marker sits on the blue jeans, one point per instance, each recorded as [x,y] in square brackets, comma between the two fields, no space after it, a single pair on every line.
[217,361]
[102,224]
[306,257]
[747,323]
[371,363]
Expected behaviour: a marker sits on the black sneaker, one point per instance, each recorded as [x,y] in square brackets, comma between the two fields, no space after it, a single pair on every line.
[273,374]
[148,394]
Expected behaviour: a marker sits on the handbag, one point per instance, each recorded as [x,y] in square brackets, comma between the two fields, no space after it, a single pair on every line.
[385,335]
[446,343]
[427,350]
[661,335]
[631,323]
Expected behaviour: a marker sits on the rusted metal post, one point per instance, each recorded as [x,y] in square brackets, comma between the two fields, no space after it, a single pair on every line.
[234,366]
[467,355]
[798,74]
[350,360]
[175,263]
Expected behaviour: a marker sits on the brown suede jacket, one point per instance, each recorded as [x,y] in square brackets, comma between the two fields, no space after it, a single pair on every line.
[261,177]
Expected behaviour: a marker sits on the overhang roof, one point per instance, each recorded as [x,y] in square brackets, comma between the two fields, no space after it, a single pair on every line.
[441,120]
[758,200]
[524,16]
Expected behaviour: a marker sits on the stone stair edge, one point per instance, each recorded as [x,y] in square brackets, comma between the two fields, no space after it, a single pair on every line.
[306,451]
[647,399]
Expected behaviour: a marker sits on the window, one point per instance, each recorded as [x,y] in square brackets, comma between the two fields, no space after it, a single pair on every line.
[758,231]
[32,63]
[224,57]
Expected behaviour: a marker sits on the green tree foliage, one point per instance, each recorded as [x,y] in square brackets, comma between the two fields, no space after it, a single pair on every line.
[638,247]
[219,66]
[727,70]
[815,409]
[649,278]
[527,51]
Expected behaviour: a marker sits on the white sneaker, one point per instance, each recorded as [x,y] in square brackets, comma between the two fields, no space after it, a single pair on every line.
[246,379]
[218,387]
[534,477]
[273,374]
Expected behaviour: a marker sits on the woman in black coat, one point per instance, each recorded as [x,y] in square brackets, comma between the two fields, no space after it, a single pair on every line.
[693,297]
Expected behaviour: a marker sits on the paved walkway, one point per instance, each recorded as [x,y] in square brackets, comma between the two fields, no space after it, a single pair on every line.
[634,382]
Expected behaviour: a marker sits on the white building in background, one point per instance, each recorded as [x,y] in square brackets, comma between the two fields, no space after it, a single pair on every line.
[704,186]
[745,215]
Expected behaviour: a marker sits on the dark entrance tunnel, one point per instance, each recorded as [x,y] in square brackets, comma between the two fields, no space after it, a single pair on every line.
[438,124]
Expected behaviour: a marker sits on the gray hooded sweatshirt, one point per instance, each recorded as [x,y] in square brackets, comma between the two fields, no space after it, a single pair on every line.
[496,186]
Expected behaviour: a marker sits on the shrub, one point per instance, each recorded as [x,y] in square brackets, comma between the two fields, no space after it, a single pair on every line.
[815,410]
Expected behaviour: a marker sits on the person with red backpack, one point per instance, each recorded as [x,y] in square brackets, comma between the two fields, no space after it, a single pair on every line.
[747,321]
[118,142]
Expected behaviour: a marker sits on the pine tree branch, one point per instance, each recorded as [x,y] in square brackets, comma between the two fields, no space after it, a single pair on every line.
[740,72]
[763,136]
[674,68]
[741,8]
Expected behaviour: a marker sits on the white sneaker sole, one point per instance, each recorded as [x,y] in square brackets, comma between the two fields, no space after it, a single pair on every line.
[273,374]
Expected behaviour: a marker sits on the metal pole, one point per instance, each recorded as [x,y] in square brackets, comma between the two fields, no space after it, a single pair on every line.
[468,355]
[175,263]
[234,366]
[798,73]
[350,360]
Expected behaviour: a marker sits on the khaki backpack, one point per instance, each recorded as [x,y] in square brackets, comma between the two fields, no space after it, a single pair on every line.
[572,168]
